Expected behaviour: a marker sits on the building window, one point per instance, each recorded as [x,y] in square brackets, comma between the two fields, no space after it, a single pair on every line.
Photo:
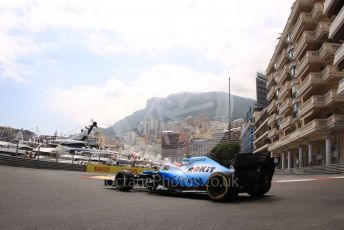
[294,90]
[289,38]
[293,71]
[296,108]
[291,54]
[279,121]
[277,92]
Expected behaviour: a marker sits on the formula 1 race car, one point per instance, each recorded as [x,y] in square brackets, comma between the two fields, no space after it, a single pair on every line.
[221,180]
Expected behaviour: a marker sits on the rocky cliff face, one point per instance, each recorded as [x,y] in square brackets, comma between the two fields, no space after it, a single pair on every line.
[179,106]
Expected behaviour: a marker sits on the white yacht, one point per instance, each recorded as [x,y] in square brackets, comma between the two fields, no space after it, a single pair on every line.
[49,149]
[11,148]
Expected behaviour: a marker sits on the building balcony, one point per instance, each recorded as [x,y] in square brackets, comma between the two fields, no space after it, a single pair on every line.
[294,82]
[340,91]
[284,90]
[303,23]
[283,75]
[339,57]
[331,73]
[314,80]
[260,118]
[271,93]
[327,51]
[317,125]
[317,11]
[272,133]
[313,59]
[311,103]
[328,4]
[272,118]
[285,105]
[310,39]
[260,138]
[317,101]
[331,7]
[300,6]
[322,30]
[261,148]
[336,28]
[276,75]
[307,39]
[286,123]
[270,81]
[260,127]
[310,57]
[272,106]
[282,59]
[270,67]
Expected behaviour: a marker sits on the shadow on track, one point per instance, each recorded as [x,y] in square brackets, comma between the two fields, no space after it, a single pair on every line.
[241,198]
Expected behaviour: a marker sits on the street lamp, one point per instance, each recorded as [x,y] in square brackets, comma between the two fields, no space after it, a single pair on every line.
[229,110]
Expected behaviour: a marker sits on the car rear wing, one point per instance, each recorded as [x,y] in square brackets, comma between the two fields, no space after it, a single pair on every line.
[250,161]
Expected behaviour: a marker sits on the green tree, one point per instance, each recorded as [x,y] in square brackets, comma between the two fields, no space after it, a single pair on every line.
[225,152]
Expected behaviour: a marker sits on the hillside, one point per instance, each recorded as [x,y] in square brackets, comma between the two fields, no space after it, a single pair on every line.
[179,106]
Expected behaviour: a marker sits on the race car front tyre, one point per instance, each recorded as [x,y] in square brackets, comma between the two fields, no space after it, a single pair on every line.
[222,186]
[124,181]
[261,188]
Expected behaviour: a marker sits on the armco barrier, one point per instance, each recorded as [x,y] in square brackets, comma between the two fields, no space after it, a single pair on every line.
[23,162]
[97,168]
[315,170]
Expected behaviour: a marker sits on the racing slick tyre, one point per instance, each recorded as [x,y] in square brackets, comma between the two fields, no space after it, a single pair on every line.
[261,188]
[124,181]
[222,186]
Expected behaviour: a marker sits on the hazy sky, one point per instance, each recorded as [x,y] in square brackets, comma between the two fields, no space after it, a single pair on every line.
[65,62]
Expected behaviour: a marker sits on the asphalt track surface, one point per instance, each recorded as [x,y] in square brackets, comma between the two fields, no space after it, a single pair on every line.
[49,199]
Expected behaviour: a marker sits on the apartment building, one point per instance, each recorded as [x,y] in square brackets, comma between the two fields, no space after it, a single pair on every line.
[261,91]
[261,141]
[305,115]
[171,146]
[335,9]
[247,133]
[259,116]
[201,147]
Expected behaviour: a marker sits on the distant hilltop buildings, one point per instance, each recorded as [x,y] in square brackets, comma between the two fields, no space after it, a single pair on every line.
[195,136]
[180,106]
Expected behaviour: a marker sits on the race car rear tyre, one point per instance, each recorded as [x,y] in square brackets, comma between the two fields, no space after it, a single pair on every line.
[124,181]
[261,188]
[222,186]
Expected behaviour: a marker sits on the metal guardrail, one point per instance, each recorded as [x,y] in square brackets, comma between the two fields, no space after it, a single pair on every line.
[38,164]
[314,170]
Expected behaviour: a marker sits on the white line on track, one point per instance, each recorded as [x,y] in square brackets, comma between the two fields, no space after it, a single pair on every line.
[338,177]
[102,177]
[309,179]
[298,180]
